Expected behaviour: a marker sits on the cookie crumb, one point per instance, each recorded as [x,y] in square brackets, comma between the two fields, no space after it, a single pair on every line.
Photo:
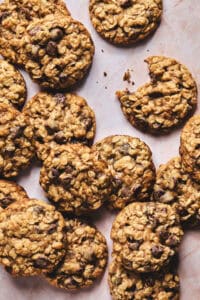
[102,50]
[105,74]
[127,76]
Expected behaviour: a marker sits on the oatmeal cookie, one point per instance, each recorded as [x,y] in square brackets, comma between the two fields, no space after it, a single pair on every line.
[146,236]
[130,163]
[75,180]
[59,118]
[127,285]
[164,103]
[15,16]
[11,192]
[32,239]
[175,187]
[59,51]
[16,149]
[190,147]
[12,85]
[85,259]
[124,22]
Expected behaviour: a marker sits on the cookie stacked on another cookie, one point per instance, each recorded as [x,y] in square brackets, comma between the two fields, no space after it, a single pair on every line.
[85,259]
[146,237]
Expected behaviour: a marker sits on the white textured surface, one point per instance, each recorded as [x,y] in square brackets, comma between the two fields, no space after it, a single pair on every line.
[178,37]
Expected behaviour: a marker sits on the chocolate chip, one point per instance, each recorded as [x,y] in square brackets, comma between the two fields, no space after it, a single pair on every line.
[155,95]
[164,236]
[126,192]
[158,194]
[156,251]
[6,201]
[148,281]
[125,3]
[60,138]
[16,132]
[87,122]
[39,210]
[172,241]
[134,244]
[52,228]
[41,263]
[68,169]
[54,173]
[136,189]
[4,15]
[56,34]
[132,288]
[63,78]
[60,98]
[52,48]
[26,12]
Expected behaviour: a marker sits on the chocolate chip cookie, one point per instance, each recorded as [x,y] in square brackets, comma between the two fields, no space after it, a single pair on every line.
[164,103]
[59,51]
[124,22]
[59,118]
[127,285]
[146,236]
[15,16]
[175,187]
[16,150]
[130,163]
[12,85]
[32,240]
[75,180]
[85,259]
[11,192]
[190,147]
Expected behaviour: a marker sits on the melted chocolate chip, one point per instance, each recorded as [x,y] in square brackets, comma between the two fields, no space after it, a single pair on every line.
[125,3]
[56,34]
[52,48]
[41,263]
[156,251]
[60,138]
[52,228]
[54,173]
[6,202]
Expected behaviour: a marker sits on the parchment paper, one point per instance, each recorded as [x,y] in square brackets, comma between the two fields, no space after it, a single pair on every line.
[178,36]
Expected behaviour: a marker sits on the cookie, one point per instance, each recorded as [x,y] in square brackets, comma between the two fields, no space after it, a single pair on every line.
[190,147]
[85,260]
[74,179]
[164,103]
[11,192]
[146,236]
[59,118]
[15,16]
[16,150]
[125,22]
[59,51]
[32,239]
[127,285]
[12,85]
[175,187]
[130,163]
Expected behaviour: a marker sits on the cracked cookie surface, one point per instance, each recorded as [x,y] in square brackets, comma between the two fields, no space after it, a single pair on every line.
[74,179]
[164,103]
[57,119]
[11,192]
[190,147]
[32,240]
[124,22]
[127,285]
[85,260]
[175,187]
[16,150]
[146,236]
[15,16]
[130,163]
[12,85]
[59,51]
